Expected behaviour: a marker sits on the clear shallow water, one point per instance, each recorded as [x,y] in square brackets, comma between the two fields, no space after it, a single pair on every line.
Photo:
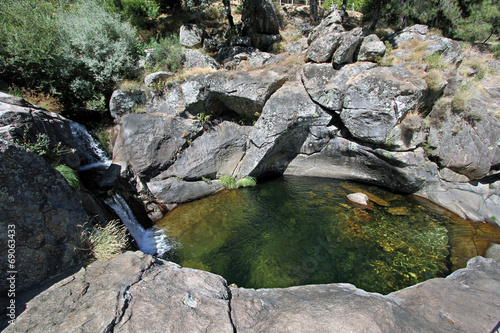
[296,231]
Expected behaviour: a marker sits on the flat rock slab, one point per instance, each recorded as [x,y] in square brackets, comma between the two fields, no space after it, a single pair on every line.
[136,293]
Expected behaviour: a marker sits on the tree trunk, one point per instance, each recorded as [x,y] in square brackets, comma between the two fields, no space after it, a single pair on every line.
[376,15]
[227,7]
[313,7]
[343,11]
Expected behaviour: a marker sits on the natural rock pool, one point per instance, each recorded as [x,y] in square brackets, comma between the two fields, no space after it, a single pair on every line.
[296,231]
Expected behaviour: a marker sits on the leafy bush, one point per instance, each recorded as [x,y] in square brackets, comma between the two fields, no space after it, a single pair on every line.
[167,54]
[102,49]
[228,181]
[76,52]
[103,243]
[32,46]
[69,174]
[41,146]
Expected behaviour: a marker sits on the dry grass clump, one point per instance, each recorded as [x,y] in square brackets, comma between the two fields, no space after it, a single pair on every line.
[434,79]
[130,86]
[417,48]
[411,122]
[440,112]
[39,98]
[103,243]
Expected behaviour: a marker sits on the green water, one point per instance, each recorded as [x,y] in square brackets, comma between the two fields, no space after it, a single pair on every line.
[296,231]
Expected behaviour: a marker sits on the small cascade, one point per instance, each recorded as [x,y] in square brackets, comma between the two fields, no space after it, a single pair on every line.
[91,152]
[150,241]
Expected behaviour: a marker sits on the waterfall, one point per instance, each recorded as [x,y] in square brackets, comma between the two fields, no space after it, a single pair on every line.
[150,241]
[91,153]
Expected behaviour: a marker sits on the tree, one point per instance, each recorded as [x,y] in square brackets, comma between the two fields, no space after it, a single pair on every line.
[343,11]
[313,8]
[227,9]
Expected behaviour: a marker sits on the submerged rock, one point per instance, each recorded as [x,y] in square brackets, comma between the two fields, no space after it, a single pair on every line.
[358,198]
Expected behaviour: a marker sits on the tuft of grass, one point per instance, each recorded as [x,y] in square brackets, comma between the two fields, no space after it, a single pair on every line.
[130,86]
[435,61]
[103,243]
[228,181]
[388,59]
[411,122]
[69,174]
[462,97]
[246,181]
[417,48]
[434,79]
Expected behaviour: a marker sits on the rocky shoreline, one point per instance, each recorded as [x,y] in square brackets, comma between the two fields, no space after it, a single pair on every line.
[135,292]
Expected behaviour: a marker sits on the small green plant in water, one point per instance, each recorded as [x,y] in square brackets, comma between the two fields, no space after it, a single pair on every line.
[246,181]
[103,243]
[228,181]
[69,174]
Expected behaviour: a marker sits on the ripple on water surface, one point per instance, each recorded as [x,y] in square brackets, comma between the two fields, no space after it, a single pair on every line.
[296,231]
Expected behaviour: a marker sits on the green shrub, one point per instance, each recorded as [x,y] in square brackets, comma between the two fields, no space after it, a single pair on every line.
[76,53]
[388,59]
[167,54]
[41,146]
[227,181]
[102,47]
[103,243]
[246,181]
[69,174]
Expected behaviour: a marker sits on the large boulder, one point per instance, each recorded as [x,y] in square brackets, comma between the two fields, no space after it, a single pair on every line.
[448,48]
[417,31]
[471,149]
[377,99]
[244,93]
[322,48]
[259,17]
[327,86]
[148,143]
[215,153]
[174,190]
[134,292]
[335,157]
[348,46]
[196,59]
[123,102]
[280,131]
[475,201]
[191,35]
[330,24]
[40,215]
[260,22]
[371,49]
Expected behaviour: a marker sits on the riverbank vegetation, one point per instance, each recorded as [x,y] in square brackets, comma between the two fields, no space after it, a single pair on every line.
[71,54]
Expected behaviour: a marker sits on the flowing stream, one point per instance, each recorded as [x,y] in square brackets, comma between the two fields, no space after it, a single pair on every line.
[149,241]
[91,152]
[301,230]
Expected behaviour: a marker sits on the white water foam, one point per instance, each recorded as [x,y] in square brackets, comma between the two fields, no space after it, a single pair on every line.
[150,241]
[91,152]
